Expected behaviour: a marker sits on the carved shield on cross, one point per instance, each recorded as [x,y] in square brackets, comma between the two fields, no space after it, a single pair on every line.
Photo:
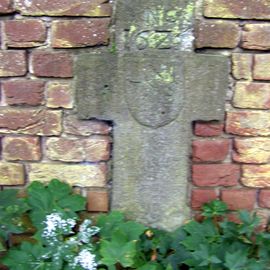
[154,90]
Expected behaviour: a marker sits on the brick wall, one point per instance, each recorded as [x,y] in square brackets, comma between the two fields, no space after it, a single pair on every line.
[40,135]
[231,159]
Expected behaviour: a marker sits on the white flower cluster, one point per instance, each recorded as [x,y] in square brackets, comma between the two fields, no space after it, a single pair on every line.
[55,223]
[56,226]
[86,232]
[86,260]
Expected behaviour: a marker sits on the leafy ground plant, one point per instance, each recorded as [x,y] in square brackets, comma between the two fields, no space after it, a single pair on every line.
[63,241]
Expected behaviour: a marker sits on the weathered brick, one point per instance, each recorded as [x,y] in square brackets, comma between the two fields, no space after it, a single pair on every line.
[59,95]
[264,198]
[217,34]
[65,149]
[96,148]
[256,176]
[21,148]
[51,64]
[80,33]
[93,8]
[98,201]
[23,92]
[12,63]
[85,127]
[11,174]
[208,129]
[242,66]
[256,36]
[249,9]
[248,123]
[210,151]
[237,199]
[261,69]
[201,196]
[6,6]
[29,121]
[90,175]
[207,175]
[252,95]
[24,33]
[252,150]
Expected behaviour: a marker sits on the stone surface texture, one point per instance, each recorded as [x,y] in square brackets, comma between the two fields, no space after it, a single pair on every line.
[150,95]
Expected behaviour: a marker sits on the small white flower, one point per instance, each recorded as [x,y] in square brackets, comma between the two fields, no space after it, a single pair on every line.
[86,260]
[54,222]
[86,232]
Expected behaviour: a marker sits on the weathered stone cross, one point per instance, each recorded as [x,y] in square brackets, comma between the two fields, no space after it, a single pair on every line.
[152,88]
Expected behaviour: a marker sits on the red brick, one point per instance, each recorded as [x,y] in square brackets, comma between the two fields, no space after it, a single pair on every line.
[256,36]
[29,121]
[264,198]
[21,148]
[59,95]
[261,67]
[204,151]
[25,33]
[237,199]
[51,64]
[85,127]
[98,201]
[6,6]
[248,123]
[208,129]
[93,8]
[242,66]
[208,175]
[217,34]
[93,149]
[248,9]
[252,95]
[23,92]
[201,196]
[12,63]
[80,33]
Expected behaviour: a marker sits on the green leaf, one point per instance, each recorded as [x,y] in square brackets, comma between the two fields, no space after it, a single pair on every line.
[107,223]
[236,260]
[214,209]
[152,266]
[59,189]
[39,197]
[73,202]
[116,252]
[132,230]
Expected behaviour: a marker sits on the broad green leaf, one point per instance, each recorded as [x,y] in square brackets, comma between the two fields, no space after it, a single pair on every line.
[132,229]
[235,261]
[59,189]
[107,223]
[151,266]
[115,252]
[73,202]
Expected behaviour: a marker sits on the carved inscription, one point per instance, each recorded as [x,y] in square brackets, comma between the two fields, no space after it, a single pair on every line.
[161,28]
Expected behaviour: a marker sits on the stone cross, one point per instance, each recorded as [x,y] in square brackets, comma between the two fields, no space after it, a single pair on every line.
[152,88]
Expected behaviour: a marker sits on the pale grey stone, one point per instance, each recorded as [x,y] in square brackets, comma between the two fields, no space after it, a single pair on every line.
[152,94]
